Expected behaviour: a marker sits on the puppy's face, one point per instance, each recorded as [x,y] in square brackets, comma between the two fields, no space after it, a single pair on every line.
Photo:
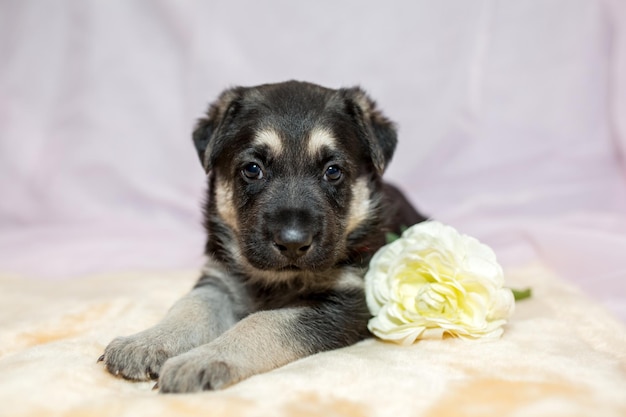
[294,171]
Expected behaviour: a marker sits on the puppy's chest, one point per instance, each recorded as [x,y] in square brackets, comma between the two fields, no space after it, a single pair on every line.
[295,293]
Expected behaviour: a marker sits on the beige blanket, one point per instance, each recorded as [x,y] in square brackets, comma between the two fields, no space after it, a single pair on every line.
[561,355]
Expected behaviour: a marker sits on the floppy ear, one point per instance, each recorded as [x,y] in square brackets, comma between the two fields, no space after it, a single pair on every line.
[378,132]
[206,132]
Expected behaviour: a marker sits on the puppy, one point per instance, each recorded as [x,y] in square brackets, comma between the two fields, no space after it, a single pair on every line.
[296,208]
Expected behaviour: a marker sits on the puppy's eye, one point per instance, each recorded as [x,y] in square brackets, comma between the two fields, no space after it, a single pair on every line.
[333,173]
[252,171]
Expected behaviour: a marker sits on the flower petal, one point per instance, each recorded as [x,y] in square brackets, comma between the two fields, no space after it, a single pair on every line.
[434,281]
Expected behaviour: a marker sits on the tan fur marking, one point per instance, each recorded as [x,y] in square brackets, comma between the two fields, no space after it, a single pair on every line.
[225,208]
[318,139]
[264,335]
[350,278]
[360,205]
[271,139]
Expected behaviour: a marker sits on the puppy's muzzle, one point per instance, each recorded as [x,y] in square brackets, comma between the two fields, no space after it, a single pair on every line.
[292,232]
[293,241]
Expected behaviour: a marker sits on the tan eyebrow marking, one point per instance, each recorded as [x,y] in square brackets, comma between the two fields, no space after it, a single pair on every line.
[271,139]
[319,139]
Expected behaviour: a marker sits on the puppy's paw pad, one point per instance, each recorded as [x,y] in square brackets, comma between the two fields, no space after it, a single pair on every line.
[185,374]
[136,358]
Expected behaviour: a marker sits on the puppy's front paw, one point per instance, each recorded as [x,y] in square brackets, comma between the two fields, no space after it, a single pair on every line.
[138,357]
[197,370]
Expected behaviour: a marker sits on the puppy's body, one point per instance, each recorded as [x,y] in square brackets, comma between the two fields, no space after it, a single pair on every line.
[296,209]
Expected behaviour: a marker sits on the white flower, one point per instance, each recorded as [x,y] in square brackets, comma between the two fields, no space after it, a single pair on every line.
[432,282]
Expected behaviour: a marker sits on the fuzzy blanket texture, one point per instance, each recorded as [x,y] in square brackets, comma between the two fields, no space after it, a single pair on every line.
[561,355]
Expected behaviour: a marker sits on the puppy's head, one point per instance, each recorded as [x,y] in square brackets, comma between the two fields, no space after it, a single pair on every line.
[295,170]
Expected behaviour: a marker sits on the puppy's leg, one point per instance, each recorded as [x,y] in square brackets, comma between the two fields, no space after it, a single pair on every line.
[269,339]
[199,317]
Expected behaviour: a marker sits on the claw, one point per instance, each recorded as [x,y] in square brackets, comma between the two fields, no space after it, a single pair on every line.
[155,387]
[100,359]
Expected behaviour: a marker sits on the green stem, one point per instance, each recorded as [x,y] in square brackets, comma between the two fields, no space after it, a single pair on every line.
[522,294]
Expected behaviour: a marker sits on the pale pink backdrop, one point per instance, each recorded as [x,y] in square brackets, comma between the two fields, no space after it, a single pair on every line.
[512,118]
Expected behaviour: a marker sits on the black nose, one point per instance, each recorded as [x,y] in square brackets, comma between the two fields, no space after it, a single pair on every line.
[293,242]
